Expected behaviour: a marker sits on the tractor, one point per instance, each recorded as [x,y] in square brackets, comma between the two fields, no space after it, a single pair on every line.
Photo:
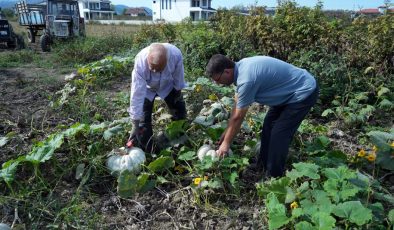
[53,20]
[8,36]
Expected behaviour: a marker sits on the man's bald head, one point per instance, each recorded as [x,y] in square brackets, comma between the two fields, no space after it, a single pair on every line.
[157,57]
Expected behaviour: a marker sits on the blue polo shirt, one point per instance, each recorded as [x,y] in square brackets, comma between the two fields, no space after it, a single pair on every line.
[270,81]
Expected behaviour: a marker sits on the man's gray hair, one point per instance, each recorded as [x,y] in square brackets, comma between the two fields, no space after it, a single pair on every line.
[157,51]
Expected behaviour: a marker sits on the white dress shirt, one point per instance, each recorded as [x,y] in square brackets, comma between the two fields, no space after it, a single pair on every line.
[148,84]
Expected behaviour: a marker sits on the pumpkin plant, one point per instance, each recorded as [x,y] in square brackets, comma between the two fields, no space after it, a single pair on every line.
[310,197]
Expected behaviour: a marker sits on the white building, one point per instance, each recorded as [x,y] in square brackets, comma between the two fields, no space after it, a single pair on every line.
[96,9]
[177,10]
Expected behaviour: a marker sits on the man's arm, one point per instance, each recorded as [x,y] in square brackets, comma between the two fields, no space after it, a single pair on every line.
[233,127]
[138,90]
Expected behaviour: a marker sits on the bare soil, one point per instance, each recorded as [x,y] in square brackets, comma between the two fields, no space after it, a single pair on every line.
[24,105]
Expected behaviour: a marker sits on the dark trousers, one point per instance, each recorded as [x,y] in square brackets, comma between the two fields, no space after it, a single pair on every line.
[280,125]
[177,108]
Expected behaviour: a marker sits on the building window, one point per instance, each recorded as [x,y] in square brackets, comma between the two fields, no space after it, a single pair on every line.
[162,4]
[196,3]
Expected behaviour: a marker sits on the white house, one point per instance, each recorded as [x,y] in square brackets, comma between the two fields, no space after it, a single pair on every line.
[177,10]
[95,9]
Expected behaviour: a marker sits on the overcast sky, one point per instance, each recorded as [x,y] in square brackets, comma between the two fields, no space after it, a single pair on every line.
[328,4]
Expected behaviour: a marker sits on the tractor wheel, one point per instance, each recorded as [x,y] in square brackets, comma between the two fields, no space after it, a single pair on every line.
[20,42]
[12,44]
[45,43]
[31,36]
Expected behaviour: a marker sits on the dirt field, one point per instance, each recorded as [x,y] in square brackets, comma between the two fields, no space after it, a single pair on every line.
[25,113]
[24,105]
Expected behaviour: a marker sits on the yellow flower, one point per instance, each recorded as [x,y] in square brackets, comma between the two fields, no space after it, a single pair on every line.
[371,157]
[197,180]
[392,144]
[361,153]
[250,122]
[198,88]
[374,149]
[213,97]
[294,205]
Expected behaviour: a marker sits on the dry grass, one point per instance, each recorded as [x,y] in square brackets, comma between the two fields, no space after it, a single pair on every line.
[17,28]
[99,30]
[93,30]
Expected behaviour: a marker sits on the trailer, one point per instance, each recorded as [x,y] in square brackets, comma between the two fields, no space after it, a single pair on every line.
[53,20]
[33,17]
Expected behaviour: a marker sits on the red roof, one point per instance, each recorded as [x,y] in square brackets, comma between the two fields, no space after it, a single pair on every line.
[369,11]
[135,11]
[374,11]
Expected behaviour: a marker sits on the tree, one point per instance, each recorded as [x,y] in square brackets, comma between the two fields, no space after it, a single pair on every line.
[7,13]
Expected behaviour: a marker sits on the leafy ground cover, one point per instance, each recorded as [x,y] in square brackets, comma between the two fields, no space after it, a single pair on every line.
[60,120]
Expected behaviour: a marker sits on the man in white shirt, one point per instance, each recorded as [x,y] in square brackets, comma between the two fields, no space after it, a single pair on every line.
[158,71]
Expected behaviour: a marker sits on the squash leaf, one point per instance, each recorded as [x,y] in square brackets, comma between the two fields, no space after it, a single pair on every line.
[354,212]
[276,212]
[215,133]
[144,184]
[7,173]
[74,129]
[109,133]
[161,164]
[176,129]
[323,221]
[127,184]
[391,216]
[44,150]
[187,156]
[304,170]
[304,225]
[275,186]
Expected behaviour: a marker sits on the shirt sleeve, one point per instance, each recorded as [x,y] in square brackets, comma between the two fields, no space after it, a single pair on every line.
[138,90]
[178,74]
[245,94]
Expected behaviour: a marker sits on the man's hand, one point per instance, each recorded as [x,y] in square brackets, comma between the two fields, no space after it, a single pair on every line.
[234,124]
[223,150]
[135,130]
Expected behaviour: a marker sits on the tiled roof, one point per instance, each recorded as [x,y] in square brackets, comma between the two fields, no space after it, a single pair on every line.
[369,11]
[135,11]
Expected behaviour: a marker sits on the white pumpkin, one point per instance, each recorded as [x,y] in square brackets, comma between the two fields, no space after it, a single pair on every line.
[207,150]
[4,227]
[213,154]
[126,159]
[202,151]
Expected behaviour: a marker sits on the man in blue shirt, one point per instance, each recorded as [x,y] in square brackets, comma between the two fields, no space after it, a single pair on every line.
[288,90]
